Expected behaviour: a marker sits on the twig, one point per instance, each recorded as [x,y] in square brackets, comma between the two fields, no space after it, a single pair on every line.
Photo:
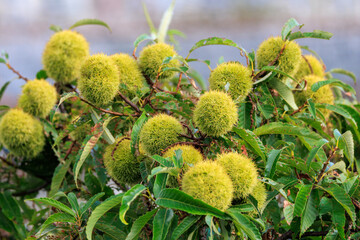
[322,172]
[26,192]
[131,104]
[16,72]
[69,150]
[260,74]
[299,109]
[183,143]
[252,112]
[104,110]
[307,61]
[178,85]
[8,163]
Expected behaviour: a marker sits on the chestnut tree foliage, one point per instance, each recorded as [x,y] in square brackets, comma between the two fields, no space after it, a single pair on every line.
[136,146]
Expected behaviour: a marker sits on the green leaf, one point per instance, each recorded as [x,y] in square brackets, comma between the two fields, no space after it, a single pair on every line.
[301,199]
[99,211]
[148,19]
[216,41]
[315,34]
[161,223]
[90,22]
[338,217]
[289,213]
[56,217]
[41,74]
[141,38]
[84,153]
[10,208]
[316,86]
[346,143]
[56,204]
[55,28]
[250,138]
[343,198]
[288,27]
[110,230]
[286,129]
[3,88]
[64,97]
[165,22]
[73,202]
[139,224]
[176,199]
[184,226]
[163,161]
[353,112]
[319,144]
[136,131]
[2,61]
[310,212]
[106,134]
[284,91]
[244,115]
[244,224]
[344,72]
[128,198]
[58,177]
[270,167]
[312,108]
[90,202]
[351,184]
[160,183]
[276,70]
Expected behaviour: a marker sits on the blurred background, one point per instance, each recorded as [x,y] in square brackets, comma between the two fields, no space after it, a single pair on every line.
[24,29]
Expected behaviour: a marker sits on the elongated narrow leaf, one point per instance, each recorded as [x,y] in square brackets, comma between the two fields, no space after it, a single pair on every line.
[139,224]
[65,96]
[128,198]
[58,177]
[90,202]
[56,204]
[99,211]
[73,202]
[163,161]
[338,217]
[184,226]
[301,199]
[165,22]
[136,131]
[3,88]
[106,134]
[288,27]
[284,91]
[343,198]
[335,108]
[11,209]
[287,129]
[315,150]
[90,22]
[355,114]
[244,224]
[160,183]
[310,212]
[270,167]
[312,108]
[344,72]
[250,138]
[289,213]
[56,217]
[141,38]
[161,223]
[216,41]
[316,86]
[110,230]
[84,153]
[244,115]
[315,34]
[276,70]
[176,199]
[346,143]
